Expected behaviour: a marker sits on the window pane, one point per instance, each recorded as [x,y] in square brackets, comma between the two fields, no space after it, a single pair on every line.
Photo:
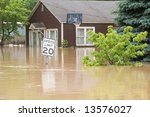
[47,34]
[80,33]
[52,35]
[80,40]
[88,42]
[87,30]
[80,36]
[34,38]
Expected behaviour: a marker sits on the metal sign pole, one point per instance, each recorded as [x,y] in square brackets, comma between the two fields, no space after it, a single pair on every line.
[47,60]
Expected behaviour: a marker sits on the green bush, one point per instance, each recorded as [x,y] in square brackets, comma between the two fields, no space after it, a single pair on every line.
[116,48]
[65,43]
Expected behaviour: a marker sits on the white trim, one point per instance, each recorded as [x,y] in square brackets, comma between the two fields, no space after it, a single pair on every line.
[62,32]
[97,22]
[42,8]
[32,27]
[85,28]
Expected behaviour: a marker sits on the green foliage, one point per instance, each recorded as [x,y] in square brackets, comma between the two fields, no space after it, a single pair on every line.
[135,13]
[65,43]
[114,48]
[147,54]
[13,15]
[29,4]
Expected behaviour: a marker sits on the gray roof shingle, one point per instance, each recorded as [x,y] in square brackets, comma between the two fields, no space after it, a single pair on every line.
[92,11]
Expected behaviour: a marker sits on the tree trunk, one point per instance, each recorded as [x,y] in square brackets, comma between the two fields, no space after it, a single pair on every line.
[2,39]
[3,32]
[2,52]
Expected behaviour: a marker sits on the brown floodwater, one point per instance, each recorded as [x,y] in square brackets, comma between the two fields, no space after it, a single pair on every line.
[24,75]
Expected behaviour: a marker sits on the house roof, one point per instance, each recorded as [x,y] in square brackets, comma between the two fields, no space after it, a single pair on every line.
[92,11]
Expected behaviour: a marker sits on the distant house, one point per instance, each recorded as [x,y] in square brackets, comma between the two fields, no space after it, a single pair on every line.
[50,19]
[16,39]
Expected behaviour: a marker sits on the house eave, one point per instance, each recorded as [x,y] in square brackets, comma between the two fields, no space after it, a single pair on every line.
[34,9]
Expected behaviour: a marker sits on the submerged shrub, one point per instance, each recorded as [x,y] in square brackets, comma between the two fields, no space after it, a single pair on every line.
[65,43]
[116,48]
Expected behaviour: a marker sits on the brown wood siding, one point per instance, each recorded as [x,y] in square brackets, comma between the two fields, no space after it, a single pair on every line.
[48,19]
[70,30]
[70,34]
[27,35]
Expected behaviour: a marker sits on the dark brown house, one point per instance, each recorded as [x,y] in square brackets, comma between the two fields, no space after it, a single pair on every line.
[49,19]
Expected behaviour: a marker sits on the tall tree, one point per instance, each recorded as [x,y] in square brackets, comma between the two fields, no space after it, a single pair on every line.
[13,14]
[135,13]
[29,4]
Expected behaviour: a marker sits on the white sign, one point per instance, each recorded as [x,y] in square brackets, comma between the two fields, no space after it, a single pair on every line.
[48,47]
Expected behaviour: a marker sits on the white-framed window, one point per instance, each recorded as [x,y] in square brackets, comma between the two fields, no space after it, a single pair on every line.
[82,36]
[51,33]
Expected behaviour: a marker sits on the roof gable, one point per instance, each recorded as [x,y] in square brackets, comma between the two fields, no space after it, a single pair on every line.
[37,26]
[92,11]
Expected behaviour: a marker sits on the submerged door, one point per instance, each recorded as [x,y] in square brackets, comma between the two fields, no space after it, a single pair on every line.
[33,35]
[35,39]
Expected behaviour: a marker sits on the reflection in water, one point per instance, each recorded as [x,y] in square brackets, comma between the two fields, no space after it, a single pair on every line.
[116,82]
[48,81]
[24,75]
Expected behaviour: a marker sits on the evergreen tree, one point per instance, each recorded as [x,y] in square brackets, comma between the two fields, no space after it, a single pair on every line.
[135,13]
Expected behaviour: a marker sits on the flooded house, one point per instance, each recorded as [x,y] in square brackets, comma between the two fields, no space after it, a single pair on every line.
[69,20]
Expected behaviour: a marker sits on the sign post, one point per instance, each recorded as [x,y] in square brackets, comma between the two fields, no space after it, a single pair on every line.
[48,48]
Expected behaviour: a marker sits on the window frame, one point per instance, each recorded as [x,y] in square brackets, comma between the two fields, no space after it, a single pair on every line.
[85,36]
[47,34]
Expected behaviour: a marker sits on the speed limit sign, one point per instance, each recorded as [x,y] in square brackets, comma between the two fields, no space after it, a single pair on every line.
[48,47]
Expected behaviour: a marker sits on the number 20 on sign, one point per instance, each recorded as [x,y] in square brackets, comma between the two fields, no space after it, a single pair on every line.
[48,47]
